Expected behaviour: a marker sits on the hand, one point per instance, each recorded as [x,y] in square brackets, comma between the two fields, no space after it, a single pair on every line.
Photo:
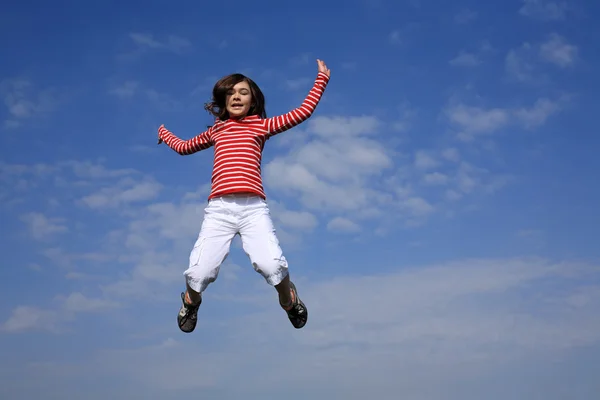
[323,68]
[159,139]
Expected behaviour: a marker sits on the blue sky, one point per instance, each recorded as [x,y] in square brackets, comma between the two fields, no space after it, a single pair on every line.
[438,210]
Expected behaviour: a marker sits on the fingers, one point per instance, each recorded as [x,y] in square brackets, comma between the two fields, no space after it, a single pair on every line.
[323,67]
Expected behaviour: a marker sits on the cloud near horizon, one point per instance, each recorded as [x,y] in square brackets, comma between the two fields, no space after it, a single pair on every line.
[435,323]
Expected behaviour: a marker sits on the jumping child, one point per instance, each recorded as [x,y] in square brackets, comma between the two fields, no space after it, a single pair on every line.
[237,202]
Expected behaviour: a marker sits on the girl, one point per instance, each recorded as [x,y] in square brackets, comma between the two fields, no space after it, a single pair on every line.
[237,202]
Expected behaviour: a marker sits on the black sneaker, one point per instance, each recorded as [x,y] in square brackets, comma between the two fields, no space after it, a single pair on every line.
[298,313]
[188,315]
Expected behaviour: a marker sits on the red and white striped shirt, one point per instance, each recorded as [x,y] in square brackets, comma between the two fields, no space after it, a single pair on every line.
[239,144]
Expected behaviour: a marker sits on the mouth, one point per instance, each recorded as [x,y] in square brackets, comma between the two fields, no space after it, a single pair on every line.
[237,105]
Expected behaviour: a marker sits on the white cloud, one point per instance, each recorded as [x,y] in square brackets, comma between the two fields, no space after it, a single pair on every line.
[25,318]
[161,100]
[417,206]
[345,170]
[534,238]
[465,59]
[436,178]
[91,170]
[538,114]
[78,302]
[452,179]
[172,43]
[340,224]
[557,51]
[332,169]
[476,120]
[451,154]
[126,191]
[344,126]
[57,256]
[41,227]
[524,64]
[519,63]
[473,121]
[25,101]
[544,10]
[301,220]
[126,90]
[32,318]
[423,160]
[455,330]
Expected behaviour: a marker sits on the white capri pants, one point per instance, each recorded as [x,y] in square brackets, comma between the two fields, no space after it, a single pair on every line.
[226,216]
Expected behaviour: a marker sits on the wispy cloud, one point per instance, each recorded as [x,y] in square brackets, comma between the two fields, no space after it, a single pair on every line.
[557,51]
[472,58]
[519,63]
[126,191]
[129,89]
[144,43]
[423,160]
[125,90]
[524,63]
[545,10]
[465,59]
[41,227]
[465,16]
[340,224]
[395,37]
[473,121]
[31,318]
[172,43]
[24,101]
[538,114]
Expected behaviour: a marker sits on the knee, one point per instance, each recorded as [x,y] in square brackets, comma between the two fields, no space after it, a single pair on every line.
[272,269]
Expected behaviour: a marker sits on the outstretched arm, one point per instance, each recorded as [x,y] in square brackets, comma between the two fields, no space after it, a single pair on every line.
[286,121]
[185,147]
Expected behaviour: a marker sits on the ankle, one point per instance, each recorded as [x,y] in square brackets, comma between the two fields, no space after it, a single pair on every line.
[192,299]
[288,305]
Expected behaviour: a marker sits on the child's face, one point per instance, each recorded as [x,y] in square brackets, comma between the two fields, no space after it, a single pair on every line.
[239,100]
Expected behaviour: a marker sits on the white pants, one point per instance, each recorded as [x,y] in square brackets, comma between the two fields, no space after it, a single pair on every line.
[224,217]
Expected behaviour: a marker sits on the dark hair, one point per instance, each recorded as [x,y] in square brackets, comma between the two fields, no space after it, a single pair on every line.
[217,106]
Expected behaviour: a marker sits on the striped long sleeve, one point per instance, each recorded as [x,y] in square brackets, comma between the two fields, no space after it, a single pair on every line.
[300,114]
[185,147]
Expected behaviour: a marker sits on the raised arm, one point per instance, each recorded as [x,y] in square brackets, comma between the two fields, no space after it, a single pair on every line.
[185,147]
[300,114]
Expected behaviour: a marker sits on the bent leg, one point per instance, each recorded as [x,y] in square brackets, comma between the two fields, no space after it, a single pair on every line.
[262,246]
[210,250]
